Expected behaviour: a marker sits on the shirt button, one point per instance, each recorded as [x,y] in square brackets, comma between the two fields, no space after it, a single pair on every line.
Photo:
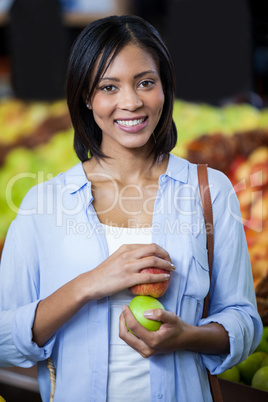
[159,395]
[164,178]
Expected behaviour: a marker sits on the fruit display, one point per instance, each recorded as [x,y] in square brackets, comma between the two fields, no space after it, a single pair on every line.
[262,300]
[25,168]
[263,345]
[195,120]
[243,157]
[30,124]
[260,379]
[250,366]
[254,370]
[35,145]
[232,374]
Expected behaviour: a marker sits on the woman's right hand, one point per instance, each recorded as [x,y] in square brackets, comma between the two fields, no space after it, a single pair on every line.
[122,270]
[118,272]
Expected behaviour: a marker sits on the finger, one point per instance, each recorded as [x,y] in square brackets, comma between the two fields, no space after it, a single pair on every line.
[164,316]
[145,278]
[132,340]
[134,251]
[150,262]
[134,326]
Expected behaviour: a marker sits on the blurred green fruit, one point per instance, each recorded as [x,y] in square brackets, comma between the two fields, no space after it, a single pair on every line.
[263,345]
[260,379]
[2,399]
[139,305]
[232,374]
[248,367]
[265,361]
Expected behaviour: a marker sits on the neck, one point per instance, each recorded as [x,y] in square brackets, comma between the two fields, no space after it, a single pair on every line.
[128,165]
[127,169]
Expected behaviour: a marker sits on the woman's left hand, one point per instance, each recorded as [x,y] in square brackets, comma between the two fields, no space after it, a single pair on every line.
[174,334]
[148,343]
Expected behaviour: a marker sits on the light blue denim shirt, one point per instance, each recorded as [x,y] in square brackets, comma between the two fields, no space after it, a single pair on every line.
[57,236]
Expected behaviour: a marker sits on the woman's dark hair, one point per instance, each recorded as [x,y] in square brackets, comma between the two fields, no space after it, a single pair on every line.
[100,42]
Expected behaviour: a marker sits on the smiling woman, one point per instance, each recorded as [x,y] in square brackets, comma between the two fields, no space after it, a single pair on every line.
[99,65]
[127,215]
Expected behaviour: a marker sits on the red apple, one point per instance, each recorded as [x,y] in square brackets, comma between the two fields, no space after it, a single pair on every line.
[156,289]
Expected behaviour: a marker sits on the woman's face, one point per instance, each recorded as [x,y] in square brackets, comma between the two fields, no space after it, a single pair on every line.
[128,100]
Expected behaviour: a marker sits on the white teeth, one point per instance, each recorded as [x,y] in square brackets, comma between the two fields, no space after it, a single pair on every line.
[130,123]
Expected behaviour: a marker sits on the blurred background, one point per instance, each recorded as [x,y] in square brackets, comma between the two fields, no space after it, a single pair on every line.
[220,54]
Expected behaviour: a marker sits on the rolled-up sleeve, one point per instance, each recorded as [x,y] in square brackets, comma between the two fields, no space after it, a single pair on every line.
[232,294]
[16,345]
[19,297]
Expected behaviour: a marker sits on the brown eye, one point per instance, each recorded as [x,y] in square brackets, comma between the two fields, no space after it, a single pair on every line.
[146,84]
[108,88]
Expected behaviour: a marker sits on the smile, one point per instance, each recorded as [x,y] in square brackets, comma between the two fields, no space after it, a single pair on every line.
[131,123]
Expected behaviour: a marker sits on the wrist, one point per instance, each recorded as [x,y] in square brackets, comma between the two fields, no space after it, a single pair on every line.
[85,289]
[211,338]
[188,337]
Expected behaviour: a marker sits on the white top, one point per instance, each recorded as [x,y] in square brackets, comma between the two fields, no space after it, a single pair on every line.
[129,374]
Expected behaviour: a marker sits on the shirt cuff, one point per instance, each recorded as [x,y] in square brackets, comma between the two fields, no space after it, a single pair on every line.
[22,335]
[240,328]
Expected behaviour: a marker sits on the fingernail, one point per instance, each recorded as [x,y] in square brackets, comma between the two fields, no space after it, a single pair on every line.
[167,276]
[172,266]
[148,313]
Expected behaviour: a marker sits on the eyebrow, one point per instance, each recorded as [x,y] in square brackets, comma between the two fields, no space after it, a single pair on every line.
[135,76]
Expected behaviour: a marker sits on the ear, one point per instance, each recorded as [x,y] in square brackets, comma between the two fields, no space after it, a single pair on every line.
[87,102]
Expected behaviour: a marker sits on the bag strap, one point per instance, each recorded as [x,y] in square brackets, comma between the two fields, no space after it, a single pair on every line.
[52,377]
[208,216]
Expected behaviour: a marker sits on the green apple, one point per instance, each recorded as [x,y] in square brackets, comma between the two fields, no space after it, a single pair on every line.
[260,379]
[139,305]
[232,374]
[2,399]
[265,361]
[250,366]
[263,345]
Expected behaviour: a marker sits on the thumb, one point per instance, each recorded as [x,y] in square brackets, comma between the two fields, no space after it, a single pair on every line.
[157,315]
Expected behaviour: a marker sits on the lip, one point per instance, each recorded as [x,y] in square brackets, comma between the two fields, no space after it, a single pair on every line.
[133,129]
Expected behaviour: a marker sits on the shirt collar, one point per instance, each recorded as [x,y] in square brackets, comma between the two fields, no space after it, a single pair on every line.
[178,168]
[76,178]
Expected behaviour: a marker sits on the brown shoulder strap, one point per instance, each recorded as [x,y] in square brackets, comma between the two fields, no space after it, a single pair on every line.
[208,216]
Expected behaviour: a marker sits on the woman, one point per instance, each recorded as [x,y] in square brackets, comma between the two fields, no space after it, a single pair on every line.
[81,239]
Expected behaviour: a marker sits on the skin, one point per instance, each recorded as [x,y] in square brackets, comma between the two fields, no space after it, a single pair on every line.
[130,89]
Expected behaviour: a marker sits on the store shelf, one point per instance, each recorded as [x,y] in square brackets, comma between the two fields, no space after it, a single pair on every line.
[76,19]
[24,378]
[19,380]
[236,392]
[3,18]
[82,18]
[19,384]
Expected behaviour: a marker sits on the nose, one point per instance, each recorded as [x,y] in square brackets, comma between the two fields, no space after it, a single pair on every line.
[130,100]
